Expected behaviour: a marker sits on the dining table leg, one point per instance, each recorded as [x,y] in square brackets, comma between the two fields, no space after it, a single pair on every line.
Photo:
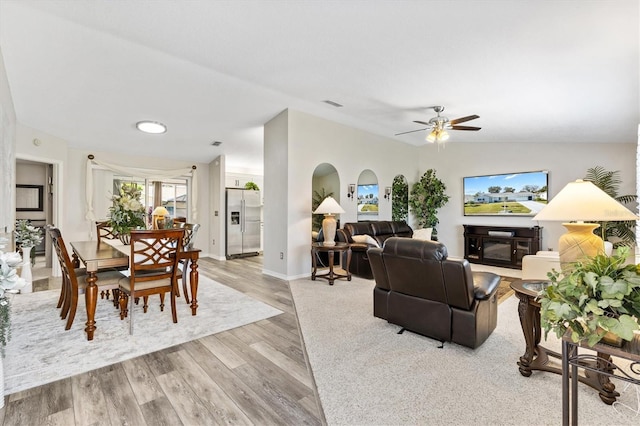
[193,279]
[91,299]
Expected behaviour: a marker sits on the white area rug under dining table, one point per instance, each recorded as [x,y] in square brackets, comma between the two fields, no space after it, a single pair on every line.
[41,351]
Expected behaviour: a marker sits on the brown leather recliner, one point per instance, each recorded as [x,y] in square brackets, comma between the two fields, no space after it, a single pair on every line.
[420,289]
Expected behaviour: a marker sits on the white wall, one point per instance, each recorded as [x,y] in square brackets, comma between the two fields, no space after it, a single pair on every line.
[7,153]
[217,208]
[295,143]
[565,163]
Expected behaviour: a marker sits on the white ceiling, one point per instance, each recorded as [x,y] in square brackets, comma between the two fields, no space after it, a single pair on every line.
[534,71]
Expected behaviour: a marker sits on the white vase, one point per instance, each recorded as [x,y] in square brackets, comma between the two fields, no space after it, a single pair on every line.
[26,270]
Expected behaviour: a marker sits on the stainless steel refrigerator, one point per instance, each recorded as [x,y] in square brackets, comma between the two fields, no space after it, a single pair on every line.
[243,222]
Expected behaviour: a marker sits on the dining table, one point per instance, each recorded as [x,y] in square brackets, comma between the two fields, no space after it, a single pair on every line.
[97,255]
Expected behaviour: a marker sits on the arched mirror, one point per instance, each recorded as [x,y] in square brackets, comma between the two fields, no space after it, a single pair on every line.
[368,196]
[324,183]
[400,199]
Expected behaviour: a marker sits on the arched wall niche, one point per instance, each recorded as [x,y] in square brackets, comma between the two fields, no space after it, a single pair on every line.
[400,198]
[368,196]
[324,183]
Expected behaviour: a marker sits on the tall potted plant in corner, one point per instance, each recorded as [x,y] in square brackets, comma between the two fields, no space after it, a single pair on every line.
[621,233]
[427,196]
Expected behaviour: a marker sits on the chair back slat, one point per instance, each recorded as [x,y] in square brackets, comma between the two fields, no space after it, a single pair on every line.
[154,250]
[104,230]
[190,231]
[68,271]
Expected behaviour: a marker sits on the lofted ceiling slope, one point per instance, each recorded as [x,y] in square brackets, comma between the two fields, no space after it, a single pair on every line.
[534,71]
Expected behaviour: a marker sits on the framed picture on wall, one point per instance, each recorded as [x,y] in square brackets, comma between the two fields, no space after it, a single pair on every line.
[29,198]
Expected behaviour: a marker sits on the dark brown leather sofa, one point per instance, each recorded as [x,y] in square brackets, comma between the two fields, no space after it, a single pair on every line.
[420,289]
[380,231]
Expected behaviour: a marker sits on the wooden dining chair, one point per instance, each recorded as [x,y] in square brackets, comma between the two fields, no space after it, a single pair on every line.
[73,279]
[104,230]
[153,268]
[190,231]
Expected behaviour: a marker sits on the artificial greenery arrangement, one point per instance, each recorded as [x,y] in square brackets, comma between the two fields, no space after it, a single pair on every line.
[126,212]
[593,297]
[622,233]
[399,199]
[27,236]
[318,197]
[10,282]
[252,186]
[427,196]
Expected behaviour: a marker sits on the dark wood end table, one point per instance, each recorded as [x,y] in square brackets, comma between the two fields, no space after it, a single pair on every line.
[536,356]
[331,276]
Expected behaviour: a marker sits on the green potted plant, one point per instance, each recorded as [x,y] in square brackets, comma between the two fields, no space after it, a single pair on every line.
[400,199]
[126,211]
[427,196]
[252,186]
[595,299]
[619,233]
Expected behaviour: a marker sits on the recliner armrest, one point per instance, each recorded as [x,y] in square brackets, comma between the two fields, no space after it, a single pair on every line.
[485,284]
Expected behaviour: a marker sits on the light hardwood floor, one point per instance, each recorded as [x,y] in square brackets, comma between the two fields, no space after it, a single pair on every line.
[255,374]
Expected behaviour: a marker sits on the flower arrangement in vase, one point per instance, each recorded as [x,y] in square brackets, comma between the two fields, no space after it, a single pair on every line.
[126,211]
[10,282]
[27,236]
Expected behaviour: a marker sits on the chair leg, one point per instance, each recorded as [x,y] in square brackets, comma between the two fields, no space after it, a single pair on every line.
[67,299]
[124,299]
[72,310]
[174,313]
[184,281]
[131,317]
[161,302]
[61,298]
[146,304]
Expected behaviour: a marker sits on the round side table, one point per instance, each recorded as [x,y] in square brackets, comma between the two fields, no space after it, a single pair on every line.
[331,276]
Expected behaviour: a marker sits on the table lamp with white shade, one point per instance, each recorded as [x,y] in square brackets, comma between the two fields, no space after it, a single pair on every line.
[329,207]
[158,216]
[577,203]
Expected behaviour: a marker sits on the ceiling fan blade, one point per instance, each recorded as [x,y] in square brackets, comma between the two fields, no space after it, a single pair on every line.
[465,128]
[410,131]
[422,122]
[463,119]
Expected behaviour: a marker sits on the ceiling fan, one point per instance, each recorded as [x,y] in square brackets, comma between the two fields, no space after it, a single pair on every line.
[439,125]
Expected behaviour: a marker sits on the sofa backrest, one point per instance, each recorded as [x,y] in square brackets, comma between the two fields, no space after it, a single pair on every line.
[422,269]
[379,230]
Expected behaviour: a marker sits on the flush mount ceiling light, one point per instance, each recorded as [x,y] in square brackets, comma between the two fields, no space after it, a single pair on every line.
[151,127]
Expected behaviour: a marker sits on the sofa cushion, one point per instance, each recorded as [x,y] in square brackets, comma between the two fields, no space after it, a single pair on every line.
[365,239]
[422,234]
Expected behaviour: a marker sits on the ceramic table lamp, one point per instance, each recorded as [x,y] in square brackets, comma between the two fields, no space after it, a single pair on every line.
[158,215]
[581,201]
[329,207]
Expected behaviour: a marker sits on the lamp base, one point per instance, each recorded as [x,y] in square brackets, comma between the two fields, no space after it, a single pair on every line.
[578,243]
[329,229]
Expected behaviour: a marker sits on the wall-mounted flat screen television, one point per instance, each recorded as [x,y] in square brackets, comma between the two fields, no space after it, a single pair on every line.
[508,194]
[367,202]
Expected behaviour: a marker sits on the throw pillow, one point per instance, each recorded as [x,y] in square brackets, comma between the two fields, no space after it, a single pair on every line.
[422,234]
[364,238]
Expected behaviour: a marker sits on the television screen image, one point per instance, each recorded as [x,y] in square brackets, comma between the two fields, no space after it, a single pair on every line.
[367,202]
[508,194]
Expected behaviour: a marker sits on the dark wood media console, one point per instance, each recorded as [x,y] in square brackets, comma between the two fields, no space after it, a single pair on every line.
[500,245]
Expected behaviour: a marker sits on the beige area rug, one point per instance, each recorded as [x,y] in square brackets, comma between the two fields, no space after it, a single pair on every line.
[41,351]
[367,374]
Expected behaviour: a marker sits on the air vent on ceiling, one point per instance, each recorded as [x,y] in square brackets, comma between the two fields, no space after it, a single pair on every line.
[216,143]
[335,104]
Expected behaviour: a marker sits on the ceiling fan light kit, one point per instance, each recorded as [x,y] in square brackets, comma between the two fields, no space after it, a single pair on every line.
[439,125]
